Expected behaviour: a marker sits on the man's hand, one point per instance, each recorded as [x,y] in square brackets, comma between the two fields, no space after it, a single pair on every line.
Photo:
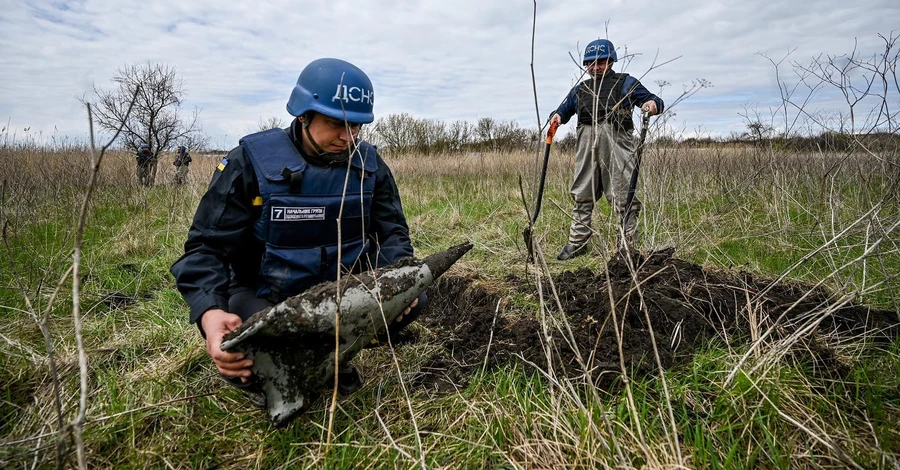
[650,107]
[556,118]
[406,311]
[217,323]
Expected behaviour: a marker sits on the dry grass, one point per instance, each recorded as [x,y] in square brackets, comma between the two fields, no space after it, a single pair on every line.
[155,402]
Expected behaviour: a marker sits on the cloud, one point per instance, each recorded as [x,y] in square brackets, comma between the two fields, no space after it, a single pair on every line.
[439,60]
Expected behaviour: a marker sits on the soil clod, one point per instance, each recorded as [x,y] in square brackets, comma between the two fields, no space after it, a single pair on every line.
[676,304]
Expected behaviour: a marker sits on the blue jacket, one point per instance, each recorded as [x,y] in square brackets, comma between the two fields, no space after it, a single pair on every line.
[225,247]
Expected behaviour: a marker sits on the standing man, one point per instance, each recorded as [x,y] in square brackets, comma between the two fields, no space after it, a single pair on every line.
[182,161]
[146,165]
[605,144]
[266,229]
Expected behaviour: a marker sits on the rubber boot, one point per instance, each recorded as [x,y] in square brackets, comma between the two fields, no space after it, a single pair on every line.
[579,232]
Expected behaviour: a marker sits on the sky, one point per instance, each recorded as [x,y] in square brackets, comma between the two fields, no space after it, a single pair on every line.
[445,60]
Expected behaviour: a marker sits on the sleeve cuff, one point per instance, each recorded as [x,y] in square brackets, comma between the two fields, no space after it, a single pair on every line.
[205,302]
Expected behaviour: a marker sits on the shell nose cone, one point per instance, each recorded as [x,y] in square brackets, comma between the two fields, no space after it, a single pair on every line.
[440,262]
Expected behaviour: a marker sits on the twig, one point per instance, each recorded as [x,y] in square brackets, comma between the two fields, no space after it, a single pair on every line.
[78,424]
[624,368]
[533,81]
[148,407]
[354,149]
[487,351]
[569,337]
[396,362]
[757,297]
[338,289]
[841,455]
[662,373]
[384,426]
[108,417]
[44,326]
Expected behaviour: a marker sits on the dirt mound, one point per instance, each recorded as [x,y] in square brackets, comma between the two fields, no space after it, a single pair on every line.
[679,305]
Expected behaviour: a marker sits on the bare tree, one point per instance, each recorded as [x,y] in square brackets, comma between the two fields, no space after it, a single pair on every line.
[395,132]
[156,119]
[195,141]
[402,134]
[272,122]
[485,130]
[758,130]
[461,134]
[868,85]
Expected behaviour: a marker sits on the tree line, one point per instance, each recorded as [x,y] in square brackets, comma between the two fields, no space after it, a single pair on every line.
[401,134]
[825,141]
[157,119]
[870,117]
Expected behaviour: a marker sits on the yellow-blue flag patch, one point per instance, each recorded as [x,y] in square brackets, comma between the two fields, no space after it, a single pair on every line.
[223,164]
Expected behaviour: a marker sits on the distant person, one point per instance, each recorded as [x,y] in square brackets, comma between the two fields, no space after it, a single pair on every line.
[266,229]
[146,165]
[182,162]
[605,144]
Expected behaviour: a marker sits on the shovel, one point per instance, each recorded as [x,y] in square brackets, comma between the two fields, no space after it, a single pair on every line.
[639,150]
[551,131]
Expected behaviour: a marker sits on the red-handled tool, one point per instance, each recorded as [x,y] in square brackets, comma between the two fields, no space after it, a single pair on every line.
[551,131]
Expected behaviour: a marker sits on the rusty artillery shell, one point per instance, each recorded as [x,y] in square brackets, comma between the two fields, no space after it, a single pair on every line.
[292,344]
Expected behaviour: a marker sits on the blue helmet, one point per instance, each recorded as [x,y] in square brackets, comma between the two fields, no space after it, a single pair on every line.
[598,50]
[183,148]
[144,146]
[335,88]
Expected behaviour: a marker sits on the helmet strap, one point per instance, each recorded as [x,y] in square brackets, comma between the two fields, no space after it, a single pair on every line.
[305,122]
[322,157]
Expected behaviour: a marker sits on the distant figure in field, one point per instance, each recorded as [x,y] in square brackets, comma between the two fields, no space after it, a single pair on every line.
[146,165]
[182,162]
[605,144]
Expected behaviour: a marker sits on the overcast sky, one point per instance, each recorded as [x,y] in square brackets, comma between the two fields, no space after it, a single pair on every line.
[448,60]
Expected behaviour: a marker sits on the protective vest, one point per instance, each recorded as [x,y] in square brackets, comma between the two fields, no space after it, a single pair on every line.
[301,204]
[182,159]
[606,93]
[143,157]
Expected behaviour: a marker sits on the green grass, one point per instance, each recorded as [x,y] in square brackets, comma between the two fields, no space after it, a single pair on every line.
[155,399]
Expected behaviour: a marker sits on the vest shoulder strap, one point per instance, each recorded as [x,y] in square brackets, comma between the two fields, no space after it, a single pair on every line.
[272,152]
[365,157]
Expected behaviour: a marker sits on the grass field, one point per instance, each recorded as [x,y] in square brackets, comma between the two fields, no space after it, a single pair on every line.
[154,399]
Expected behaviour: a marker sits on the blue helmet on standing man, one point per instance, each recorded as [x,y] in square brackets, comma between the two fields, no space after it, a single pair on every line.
[335,88]
[599,49]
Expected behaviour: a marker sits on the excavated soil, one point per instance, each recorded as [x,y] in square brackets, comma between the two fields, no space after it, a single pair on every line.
[679,306]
